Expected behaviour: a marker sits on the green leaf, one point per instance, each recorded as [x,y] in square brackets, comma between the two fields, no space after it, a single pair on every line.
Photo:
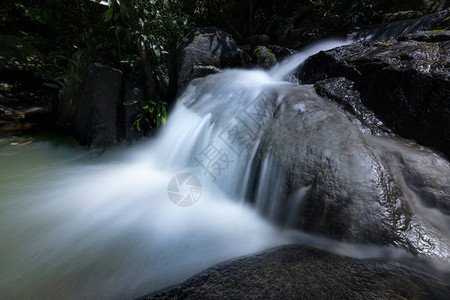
[54,86]
[130,102]
[109,14]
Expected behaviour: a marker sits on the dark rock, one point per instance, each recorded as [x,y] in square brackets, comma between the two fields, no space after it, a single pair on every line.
[263,57]
[424,6]
[298,272]
[438,21]
[72,93]
[402,15]
[203,71]
[435,21]
[95,120]
[315,170]
[24,106]
[335,181]
[259,40]
[427,36]
[406,83]
[205,47]
[281,52]
[341,91]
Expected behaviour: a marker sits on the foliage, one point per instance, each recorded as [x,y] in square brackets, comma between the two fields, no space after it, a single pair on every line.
[347,13]
[136,36]
[153,114]
[154,27]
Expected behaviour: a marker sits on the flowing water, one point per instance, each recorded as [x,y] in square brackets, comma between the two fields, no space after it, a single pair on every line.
[77,224]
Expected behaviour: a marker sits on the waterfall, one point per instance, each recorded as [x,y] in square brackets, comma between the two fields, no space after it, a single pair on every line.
[130,223]
[138,220]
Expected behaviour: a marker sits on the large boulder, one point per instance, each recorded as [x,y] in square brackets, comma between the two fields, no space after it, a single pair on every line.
[204,47]
[405,81]
[329,177]
[310,166]
[298,272]
[341,91]
[95,122]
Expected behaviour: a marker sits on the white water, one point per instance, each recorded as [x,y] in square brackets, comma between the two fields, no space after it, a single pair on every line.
[289,65]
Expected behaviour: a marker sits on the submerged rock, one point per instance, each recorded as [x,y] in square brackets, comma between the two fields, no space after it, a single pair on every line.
[294,272]
[405,81]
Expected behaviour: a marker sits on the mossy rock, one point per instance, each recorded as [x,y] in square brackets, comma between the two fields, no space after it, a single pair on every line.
[264,57]
[17,55]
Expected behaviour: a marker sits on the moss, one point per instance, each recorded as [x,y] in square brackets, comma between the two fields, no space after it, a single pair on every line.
[444,24]
[258,50]
[436,31]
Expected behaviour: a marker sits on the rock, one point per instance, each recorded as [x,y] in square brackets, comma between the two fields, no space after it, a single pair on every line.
[203,71]
[72,93]
[95,120]
[401,15]
[259,40]
[330,179]
[23,106]
[281,52]
[341,91]
[205,47]
[438,21]
[299,272]
[424,6]
[263,57]
[310,167]
[405,81]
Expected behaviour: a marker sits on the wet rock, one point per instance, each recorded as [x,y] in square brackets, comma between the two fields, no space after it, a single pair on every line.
[427,36]
[205,47]
[281,52]
[341,91]
[405,82]
[294,272]
[424,6]
[203,71]
[330,179]
[401,15]
[95,121]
